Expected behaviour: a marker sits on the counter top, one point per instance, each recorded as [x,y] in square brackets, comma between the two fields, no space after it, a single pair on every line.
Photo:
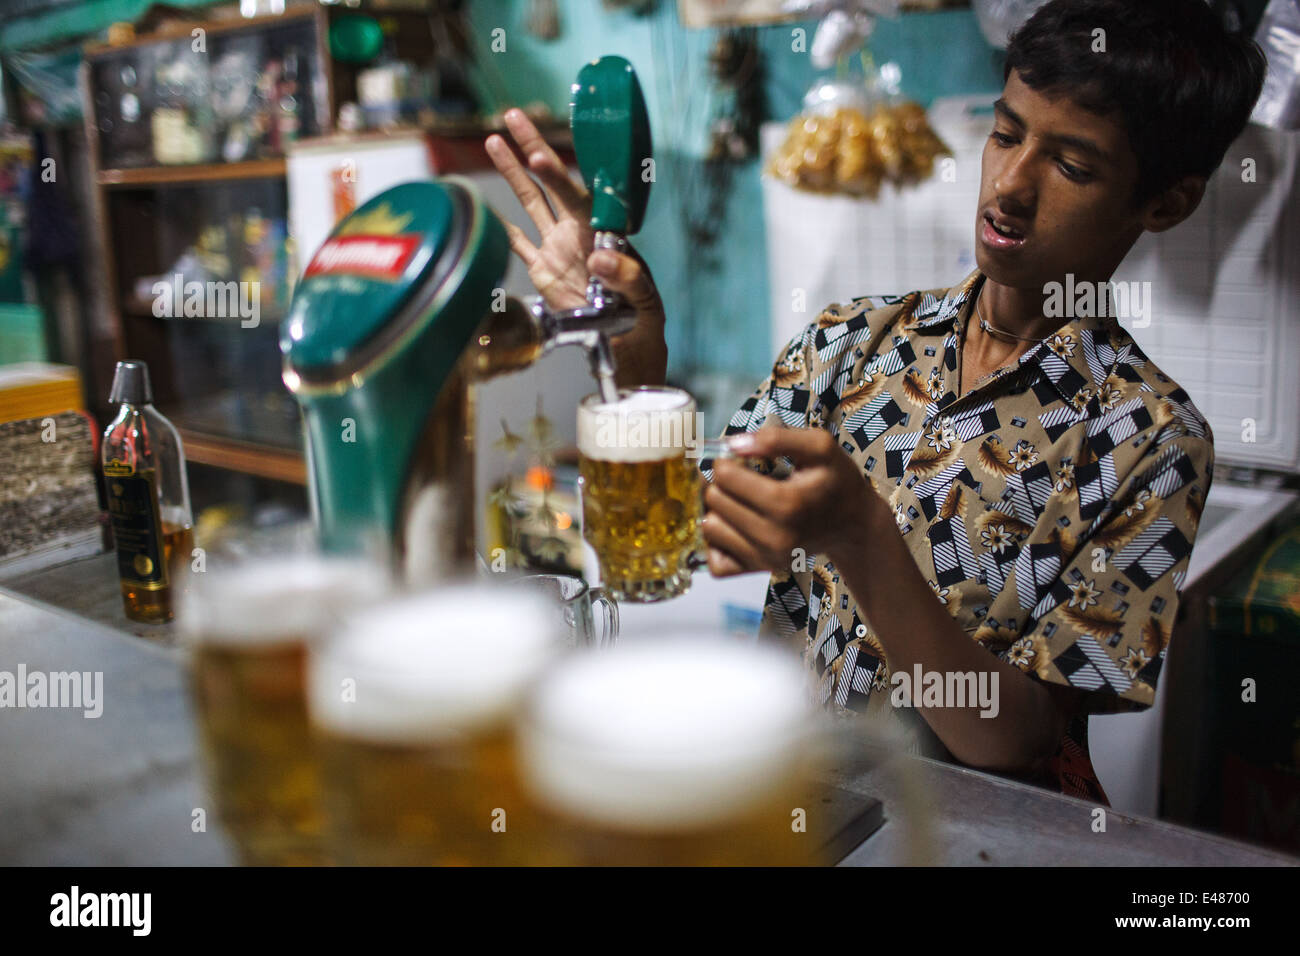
[88,589]
[122,788]
[118,789]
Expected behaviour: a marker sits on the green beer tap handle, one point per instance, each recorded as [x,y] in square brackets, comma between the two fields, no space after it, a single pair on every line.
[611,137]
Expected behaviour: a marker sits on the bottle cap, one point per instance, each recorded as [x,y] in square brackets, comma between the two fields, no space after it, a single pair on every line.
[131,384]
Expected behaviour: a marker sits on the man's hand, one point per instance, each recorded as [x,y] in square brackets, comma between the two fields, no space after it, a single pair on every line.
[755,523]
[561,210]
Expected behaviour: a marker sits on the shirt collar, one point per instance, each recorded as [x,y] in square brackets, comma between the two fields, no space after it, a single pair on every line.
[1078,355]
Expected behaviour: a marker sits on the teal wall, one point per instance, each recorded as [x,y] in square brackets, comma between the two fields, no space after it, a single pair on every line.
[716,297]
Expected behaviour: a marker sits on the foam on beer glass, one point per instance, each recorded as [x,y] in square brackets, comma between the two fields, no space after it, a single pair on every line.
[673,752]
[641,490]
[413,704]
[248,628]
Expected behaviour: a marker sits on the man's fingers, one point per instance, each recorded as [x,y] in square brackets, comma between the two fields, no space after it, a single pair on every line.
[520,243]
[758,533]
[740,551]
[529,194]
[723,565]
[546,163]
[570,196]
[804,446]
[525,133]
[625,275]
[745,484]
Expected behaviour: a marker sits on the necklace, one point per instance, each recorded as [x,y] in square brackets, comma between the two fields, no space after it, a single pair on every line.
[994,330]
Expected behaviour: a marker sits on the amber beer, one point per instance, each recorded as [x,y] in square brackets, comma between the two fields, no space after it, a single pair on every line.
[641,490]
[413,708]
[672,752]
[249,629]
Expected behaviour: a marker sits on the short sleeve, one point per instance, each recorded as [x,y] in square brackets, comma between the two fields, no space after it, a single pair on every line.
[1105,624]
[809,366]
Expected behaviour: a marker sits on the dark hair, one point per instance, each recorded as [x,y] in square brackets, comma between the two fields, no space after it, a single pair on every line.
[1178,82]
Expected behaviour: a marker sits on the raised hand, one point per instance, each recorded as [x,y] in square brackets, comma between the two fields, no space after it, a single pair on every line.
[560,266]
[562,214]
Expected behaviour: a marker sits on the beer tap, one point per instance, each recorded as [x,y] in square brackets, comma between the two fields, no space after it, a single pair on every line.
[611,137]
[400,312]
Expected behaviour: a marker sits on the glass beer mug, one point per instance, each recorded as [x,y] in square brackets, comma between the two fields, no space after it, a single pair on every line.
[672,751]
[249,629]
[641,490]
[576,604]
[413,707]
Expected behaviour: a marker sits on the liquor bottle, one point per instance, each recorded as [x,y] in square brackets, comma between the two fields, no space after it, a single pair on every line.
[148,498]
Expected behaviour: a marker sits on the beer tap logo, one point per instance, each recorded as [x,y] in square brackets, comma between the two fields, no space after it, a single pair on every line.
[369,244]
[380,221]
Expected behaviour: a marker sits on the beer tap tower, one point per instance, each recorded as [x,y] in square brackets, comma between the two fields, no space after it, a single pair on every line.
[400,311]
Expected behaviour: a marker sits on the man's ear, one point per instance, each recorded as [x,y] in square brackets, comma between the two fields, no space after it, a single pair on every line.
[1174,204]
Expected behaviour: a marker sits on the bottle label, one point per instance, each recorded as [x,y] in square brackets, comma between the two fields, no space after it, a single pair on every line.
[137,526]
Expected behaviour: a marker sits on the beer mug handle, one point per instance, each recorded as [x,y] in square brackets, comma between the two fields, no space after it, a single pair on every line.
[711,449]
[609,611]
[708,449]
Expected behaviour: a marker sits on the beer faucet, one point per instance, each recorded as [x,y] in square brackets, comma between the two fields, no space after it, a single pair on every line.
[397,316]
[611,137]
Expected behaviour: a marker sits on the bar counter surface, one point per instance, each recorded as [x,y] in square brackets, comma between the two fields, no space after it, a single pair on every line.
[124,788]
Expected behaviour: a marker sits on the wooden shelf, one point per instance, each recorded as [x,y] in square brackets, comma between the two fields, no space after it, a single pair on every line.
[207,172]
[262,460]
[181,28]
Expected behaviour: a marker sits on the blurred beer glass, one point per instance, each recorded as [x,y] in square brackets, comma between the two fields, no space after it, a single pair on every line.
[673,752]
[641,490]
[413,706]
[575,605]
[249,628]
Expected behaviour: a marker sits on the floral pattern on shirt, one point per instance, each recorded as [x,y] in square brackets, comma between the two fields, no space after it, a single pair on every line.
[1052,508]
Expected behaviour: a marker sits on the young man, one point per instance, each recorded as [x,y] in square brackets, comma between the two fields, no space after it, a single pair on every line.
[983,486]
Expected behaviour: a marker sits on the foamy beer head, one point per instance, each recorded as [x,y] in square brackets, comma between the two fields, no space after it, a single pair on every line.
[641,490]
[423,668]
[277,601]
[672,751]
[412,706]
[645,424]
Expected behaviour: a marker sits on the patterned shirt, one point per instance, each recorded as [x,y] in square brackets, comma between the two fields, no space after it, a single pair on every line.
[1051,508]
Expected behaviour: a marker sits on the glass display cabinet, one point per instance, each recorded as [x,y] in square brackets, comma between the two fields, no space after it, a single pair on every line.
[216,167]
[188,132]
